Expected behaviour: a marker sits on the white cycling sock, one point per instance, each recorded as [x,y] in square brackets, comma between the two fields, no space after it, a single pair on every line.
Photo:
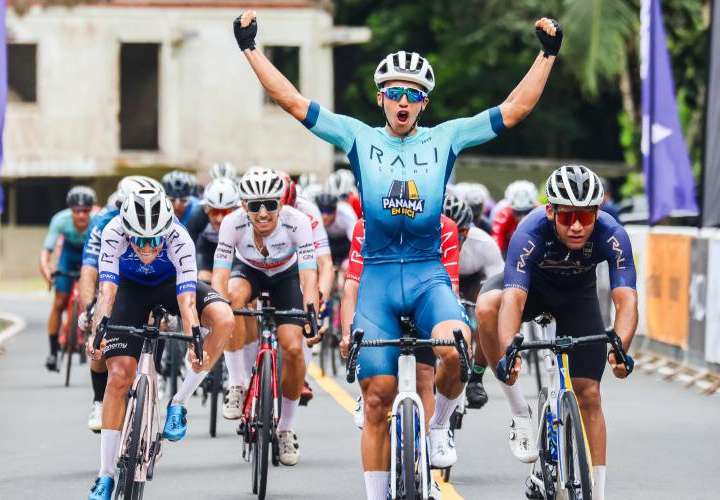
[599,482]
[376,484]
[191,382]
[287,413]
[250,352]
[235,361]
[518,405]
[109,444]
[444,408]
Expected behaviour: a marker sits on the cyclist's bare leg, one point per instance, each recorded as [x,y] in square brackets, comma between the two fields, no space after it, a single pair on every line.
[291,341]
[447,378]
[378,395]
[60,302]
[589,399]
[425,382]
[205,276]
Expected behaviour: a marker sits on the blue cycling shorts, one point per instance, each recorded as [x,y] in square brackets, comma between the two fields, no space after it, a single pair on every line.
[69,262]
[419,290]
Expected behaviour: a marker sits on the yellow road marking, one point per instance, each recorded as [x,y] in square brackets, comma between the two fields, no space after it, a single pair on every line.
[346,401]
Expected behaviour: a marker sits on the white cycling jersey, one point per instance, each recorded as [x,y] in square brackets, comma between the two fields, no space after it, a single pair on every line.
[177,258]
[344,223]
[479,253]
[291,242]
[318,229]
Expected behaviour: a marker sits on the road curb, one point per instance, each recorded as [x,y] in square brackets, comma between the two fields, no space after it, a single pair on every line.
[18,324]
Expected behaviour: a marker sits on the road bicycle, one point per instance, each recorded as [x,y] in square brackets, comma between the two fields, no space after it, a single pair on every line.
[409,459]
[71,336]
[563,468]
[261,408]
[141,436]
[329,346]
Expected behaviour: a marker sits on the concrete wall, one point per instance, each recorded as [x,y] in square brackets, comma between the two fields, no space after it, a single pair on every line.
[20,251]
[211,106]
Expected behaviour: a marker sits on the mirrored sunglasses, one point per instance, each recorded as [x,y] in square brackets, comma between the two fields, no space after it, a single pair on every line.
[254,206]
[396,93]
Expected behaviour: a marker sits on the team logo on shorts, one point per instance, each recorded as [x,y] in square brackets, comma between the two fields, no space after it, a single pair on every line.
[403,198]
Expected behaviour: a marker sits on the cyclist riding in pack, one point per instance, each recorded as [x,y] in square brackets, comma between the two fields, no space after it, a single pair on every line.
[180,189]
[87,283]
[339,220]
[550,268]
[478,198]
[276,253]
[520,199]
[146,259]
[401,171]
[72,224]
[341,183]
[223,169]
[479,259]
[220,199]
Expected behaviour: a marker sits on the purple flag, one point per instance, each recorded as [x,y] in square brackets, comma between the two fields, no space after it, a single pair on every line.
[669,182]
[3,91]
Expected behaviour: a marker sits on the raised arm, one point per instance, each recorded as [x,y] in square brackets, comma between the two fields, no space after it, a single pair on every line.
[275,84]
[523,99]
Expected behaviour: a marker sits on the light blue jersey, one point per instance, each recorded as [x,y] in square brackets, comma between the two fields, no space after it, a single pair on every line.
[62,224]
[402,180]
[91,251]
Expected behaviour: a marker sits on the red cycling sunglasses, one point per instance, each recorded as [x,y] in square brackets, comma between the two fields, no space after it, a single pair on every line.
[568,218]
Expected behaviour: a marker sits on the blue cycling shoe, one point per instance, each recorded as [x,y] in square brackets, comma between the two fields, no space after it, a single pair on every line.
[175,423]
[103,488]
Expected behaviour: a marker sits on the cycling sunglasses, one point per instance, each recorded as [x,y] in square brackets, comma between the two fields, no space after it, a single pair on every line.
[254,206]
[568,218]
[141,242]
[220,212]
[81,210]
[184,199]
[396,93]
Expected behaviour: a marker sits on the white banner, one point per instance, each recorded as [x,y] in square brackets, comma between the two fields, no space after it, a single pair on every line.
[638,240]
[712,319]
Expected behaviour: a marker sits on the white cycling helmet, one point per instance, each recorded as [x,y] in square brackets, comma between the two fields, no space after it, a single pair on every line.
[147,213]
[473,193]
[310,191]
[261,183]
[221,193]
[574,186]
[340,183]
[133,183]
[407,67]
[222,169]
[458,210]
[306,179]
[521,196]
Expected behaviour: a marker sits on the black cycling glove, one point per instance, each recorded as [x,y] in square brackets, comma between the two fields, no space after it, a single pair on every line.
[550,44]
[245,36]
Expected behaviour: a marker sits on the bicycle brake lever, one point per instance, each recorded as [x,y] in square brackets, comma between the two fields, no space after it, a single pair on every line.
[461,347]
[198,343]
[100,332]
[353,354]
[619,350]
[312,321]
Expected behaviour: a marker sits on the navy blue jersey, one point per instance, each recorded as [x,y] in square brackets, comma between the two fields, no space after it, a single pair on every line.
[536,251]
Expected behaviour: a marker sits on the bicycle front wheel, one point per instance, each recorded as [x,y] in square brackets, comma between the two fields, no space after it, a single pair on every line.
[263,427]
[575,457]
[409,472]
[131,458]
[71,342]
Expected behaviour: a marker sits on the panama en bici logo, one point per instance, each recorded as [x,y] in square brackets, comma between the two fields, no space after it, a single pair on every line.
[404,199]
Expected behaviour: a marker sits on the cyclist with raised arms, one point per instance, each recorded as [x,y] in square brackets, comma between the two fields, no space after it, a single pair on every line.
[401,171]
[72,224]
[276,253]
[479,259]
[220,198]
[550,268]
[520,199]
[88,282]
[147,258]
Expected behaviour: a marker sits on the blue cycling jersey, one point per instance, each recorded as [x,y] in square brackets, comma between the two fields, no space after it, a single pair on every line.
[536,251]
[62,225]
[402,180]
[91,251]
[192,206]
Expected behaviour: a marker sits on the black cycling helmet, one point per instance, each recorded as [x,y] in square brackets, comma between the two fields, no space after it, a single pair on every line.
[326,202]
[178,184]
[459,211]
[80,196]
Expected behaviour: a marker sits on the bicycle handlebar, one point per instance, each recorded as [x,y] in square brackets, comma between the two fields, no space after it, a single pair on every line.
[559,345]
[310,316]
[411,343]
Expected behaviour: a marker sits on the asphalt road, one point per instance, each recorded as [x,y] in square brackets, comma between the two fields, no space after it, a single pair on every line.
[664,440]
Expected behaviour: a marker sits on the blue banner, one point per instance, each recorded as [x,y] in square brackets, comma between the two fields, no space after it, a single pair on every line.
[669,182]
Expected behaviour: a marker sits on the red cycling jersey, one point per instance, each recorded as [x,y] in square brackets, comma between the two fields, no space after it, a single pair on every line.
[503,227]
[354,200]
[449,248]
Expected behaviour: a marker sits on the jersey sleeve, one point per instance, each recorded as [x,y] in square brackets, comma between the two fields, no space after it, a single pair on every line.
[355,259]
[501,228]
[475,130]
[523,252]
[91,250]
[181,252]
[619,255]
[113,245]
[54,231]
[304,243]
[450,248]
[227,240]
[339,130]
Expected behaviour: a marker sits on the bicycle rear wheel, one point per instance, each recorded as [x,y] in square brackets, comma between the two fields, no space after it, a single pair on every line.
[575,457]
[409,476]
[263,428]
[215,390]
[131,459]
